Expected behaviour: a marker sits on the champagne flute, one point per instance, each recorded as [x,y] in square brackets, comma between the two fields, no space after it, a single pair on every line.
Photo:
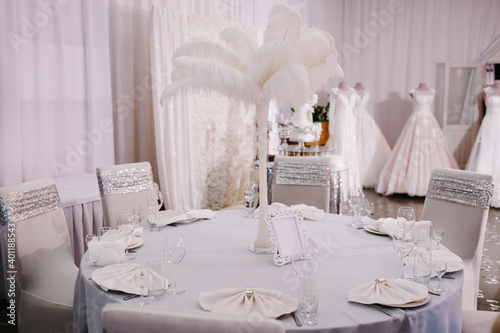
[305,267]
[126,225]
[403,244]
[440,268]
[355,198]
[438,235]
[174,250]
[406,219]
[141,279]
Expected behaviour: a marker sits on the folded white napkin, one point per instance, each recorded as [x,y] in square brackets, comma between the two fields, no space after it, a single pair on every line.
[384,225]
[106,252]
[137,232]
[244,301]
[388,292]
[422,258]
[121,277]
[308,212]
[173,216]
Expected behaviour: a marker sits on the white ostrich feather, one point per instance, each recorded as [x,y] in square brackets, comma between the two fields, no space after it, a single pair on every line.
[289,85]
[268,59]
[284,24]
[240,42]
[195,74]
[202,48]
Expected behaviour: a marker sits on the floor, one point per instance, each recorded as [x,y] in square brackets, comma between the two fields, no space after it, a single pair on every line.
[387,206]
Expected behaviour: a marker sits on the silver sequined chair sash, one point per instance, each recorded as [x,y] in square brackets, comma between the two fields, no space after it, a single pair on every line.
[124,181]
[465,191]
[21,205]
[302,173]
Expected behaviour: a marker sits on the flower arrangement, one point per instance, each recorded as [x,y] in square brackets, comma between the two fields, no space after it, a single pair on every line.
[320,113]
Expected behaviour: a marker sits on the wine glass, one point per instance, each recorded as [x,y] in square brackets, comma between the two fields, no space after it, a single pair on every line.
[174,251]
[141,279]
[403,246]
[88,239]
[155,201]
[369,207]
[305,267]
[440,268]
[438,235]
[126,225]
[355,198]
[406,219]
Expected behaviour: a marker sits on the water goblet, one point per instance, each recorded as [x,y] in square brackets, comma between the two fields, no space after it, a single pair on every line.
[369,207]
[355,198]
[155,201]
[440,268]
[406,218]
[250,202]
[141,280]
[126,225]
[174,250]
[403,244]
[305,267]
[438,235]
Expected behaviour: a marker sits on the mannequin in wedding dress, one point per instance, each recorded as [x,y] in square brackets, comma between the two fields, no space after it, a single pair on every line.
[373,149]
[420,148]
[342,128]
[484,157]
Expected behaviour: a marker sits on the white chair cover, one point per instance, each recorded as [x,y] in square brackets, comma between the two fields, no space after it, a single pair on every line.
[302,180]
[129,318]
[480,321]
[46,272]
[458,201]
[123,187]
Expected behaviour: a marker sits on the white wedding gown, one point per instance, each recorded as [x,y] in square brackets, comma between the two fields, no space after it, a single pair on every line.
[342,140]
[420,148]
[484,157]
[373,149]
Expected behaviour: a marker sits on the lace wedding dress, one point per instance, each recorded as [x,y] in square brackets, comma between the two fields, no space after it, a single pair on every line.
[484,157]
[342,140]
[373,149]
[420,148]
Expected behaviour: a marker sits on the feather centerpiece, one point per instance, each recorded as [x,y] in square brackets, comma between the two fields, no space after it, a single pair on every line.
[291,64]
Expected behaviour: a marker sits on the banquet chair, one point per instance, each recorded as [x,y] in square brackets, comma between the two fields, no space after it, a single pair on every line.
[458,201]
[302,180]
[124,187]
[128,318]
[32,215]
[480,321]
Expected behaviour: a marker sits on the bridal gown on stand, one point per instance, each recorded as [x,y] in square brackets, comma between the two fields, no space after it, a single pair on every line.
[373,149]
[342,140]
[485,157]
[420,148]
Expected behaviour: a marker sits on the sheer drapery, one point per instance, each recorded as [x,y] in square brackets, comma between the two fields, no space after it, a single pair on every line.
[77,81]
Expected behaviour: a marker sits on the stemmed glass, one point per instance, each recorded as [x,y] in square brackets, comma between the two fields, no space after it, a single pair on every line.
[141,279]
[88,239]
[406,219]
[126,225]
[440,268]
[369,207]
[305,267]
[155,201]
[403,246]
[174,251]
[438,235]
[355,198]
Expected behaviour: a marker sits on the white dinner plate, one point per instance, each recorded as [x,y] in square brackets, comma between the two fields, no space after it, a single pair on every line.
[409,305]
[373,231]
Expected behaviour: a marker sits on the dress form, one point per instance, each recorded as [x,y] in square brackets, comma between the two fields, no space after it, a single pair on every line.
[373,149]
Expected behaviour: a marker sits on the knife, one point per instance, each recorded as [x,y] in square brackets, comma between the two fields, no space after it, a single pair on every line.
[126,298]
[297,321]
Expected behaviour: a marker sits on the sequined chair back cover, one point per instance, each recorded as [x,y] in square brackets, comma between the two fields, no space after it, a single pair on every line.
[46,272]
[124,187]
[127,318]
[458,201]
[302,180]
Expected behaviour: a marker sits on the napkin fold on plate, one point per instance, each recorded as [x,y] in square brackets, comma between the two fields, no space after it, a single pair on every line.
[121,277]
[244,301]
[421,257]
[106,252]
[389,292]
[308,212]
[173,216]
[384,225]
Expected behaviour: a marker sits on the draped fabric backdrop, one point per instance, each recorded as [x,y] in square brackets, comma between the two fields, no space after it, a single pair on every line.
[78,87]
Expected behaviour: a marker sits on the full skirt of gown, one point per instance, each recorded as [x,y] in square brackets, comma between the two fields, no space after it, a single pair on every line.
[420,148]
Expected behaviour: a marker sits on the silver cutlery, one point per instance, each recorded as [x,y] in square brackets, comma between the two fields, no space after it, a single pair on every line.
[296,318]
[434,293]
[131,296]
[387,312]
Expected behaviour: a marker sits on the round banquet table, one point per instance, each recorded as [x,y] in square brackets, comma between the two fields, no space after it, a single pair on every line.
[217,257]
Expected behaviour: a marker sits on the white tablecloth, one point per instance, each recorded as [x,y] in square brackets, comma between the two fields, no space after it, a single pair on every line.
[218,257]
